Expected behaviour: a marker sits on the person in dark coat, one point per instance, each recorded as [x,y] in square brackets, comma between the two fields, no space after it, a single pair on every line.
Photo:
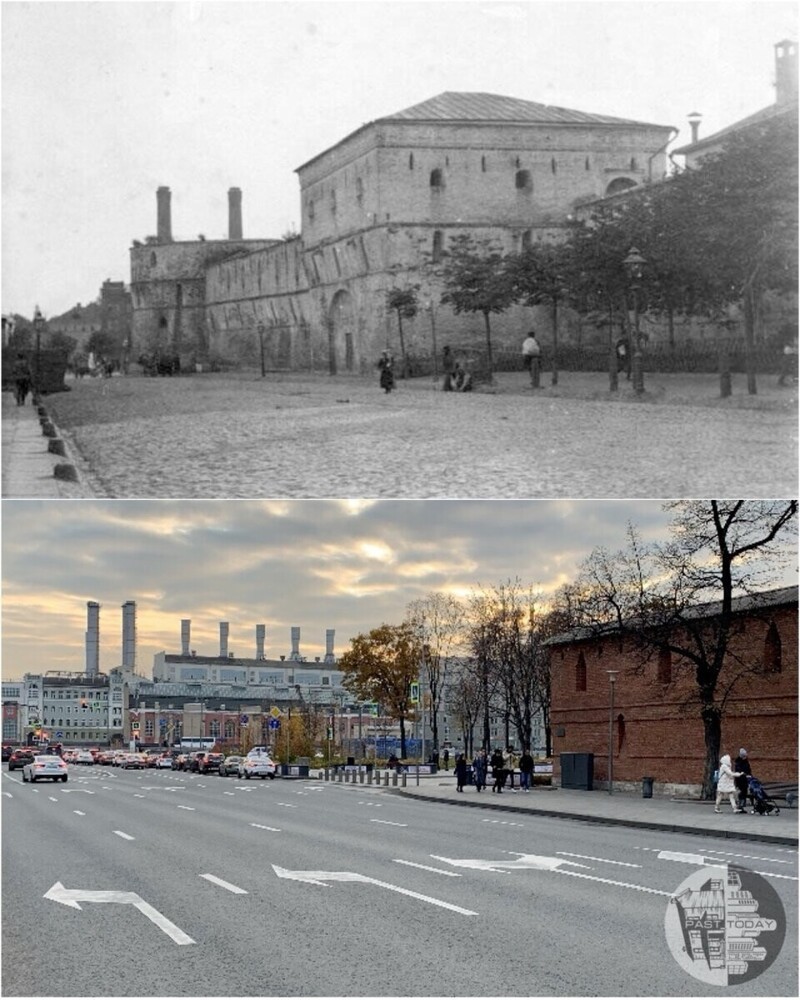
[479,768]
[525,770]
[461,772]
[386,365]
[742,773]
[448,367]
[498,770]
[21,374]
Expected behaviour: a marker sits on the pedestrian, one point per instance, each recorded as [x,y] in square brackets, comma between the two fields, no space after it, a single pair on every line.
[448,367]
[726,785]
[21,375]
[623,357]
[498,771]
[461,772]
[479,768]
[789,361]
[447,758]
[386,364]
[742,774]
[510,765]
[461,380]
[525,770]
[531,354]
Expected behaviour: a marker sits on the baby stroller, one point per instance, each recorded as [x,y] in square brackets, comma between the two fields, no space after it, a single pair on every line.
[762,803]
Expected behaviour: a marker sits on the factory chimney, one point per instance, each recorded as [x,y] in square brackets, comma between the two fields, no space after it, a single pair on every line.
[92,638]
[186,636]
[295,653]
[261,634]
[129,635]
[223,640]
[786,72]
[163,197]
[329,634]
[234,213]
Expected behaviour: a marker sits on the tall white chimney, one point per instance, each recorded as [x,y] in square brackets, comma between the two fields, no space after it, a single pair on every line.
[186,636]
[261,634]
[92,638]
[295,653]
[223,639]
[329,634]
[129,635]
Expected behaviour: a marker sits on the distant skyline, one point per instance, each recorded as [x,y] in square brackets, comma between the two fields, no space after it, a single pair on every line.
[316,564]
[105,102]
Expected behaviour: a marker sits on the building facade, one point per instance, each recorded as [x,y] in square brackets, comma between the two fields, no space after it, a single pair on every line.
[654,728]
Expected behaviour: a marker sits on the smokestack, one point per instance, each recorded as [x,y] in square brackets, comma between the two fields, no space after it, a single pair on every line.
[223,639]
[129,635]
[295,653]
[92,638]
[234,213]
[694,122]
[186,636]
[329,634]
[164,215]
[261,634]
[786,72]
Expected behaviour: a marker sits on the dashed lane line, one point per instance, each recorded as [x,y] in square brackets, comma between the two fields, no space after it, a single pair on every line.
[427,868]
[125,836]
[225,885]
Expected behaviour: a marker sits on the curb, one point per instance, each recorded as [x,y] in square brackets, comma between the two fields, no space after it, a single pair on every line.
[608,820]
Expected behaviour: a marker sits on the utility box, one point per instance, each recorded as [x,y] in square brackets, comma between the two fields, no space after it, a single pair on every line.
[577,770]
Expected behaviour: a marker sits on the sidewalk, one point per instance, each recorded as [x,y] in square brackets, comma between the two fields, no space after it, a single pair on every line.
[689,816]
[27,466]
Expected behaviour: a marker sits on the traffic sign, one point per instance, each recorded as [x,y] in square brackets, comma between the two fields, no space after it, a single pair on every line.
[274,723]
[244,719]
[275,712]
[59,735]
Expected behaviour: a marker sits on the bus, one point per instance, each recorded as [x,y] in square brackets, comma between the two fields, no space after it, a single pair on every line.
[198,743]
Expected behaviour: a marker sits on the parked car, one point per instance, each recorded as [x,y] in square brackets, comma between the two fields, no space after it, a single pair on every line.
[257,767]
[133,760]
[210,762]
[179,762]
[165,760]
[44,766]
[19,758]
[84,757]
[230,766]
[195,760]
[7,751]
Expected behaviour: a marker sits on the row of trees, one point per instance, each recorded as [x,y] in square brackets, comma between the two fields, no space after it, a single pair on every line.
[487,656]
[708,239]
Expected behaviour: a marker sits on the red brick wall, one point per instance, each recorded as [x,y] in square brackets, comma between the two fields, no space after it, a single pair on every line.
[662,734]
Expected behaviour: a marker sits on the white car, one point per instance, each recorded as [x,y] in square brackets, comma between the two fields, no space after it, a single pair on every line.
[164,761]
[83,757]
[49,766]
[259,766]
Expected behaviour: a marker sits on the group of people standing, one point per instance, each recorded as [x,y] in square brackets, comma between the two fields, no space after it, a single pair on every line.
[501,767]
[733,780]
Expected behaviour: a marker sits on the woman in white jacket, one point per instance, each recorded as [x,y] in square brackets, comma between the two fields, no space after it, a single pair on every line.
[726,785]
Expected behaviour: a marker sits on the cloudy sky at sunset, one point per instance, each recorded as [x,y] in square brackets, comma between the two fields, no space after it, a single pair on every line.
[317,564]
[103,102]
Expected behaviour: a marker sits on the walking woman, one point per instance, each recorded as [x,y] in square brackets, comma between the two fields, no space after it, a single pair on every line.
[726,786]
[461,772]
[387,373]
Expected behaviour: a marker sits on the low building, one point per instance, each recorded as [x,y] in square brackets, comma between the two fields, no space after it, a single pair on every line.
[654,728]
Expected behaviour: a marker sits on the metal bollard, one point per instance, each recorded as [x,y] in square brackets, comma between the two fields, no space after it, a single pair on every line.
[369,777]
[394,779]
[386,778]
[405,779]
[361,777]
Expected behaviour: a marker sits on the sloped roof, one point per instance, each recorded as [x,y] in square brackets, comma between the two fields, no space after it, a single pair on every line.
[757,118]
[479,107]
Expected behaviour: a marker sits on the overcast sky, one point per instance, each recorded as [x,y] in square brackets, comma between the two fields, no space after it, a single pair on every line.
[103,102]
[317,564]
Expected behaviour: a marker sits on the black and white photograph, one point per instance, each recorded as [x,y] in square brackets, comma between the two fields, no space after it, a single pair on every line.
[399,512]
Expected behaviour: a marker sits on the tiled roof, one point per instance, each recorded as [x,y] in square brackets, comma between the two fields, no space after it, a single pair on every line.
[479,107]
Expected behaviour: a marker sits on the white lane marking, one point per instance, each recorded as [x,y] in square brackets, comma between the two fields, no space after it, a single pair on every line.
[229,793]
[729,854]
[287,805]
[78,812]
[136,795]
[605,861]
[610,881]
[69,791]
[8,795]
[387,822]
[224,884]
[522,861]
[370,805]
[701,860]
[320,878]
[502,822]
[125,836]
[52,798]
[259,826]
[427,868]
[70,897]
[190,808]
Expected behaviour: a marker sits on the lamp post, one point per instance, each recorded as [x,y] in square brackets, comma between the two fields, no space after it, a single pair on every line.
[261,346]
[38,326]
[612,676]
[429,307]
[634,264]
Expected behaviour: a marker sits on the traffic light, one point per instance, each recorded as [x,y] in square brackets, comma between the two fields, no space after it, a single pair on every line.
[330,732]
[415,692]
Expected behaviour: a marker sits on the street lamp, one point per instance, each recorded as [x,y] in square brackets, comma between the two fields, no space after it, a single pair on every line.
[429,307]
[634,264]
[612,676]
[38,326]
[261,344]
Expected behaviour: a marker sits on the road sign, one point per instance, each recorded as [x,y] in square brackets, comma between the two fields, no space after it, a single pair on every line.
[244,719]
[275,712]
[59,735]
[274,723]
[135,726]
[414,692]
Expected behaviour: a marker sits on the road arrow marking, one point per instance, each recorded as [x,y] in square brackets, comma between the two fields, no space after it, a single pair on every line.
[322,878]
[523,861]
[70,897]
[225,885]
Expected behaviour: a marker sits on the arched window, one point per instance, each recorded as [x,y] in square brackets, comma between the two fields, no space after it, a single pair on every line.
[633,163]
[772,650]
[527,239]
[580,673]
[523,181]
[410,161]
[587,166]
[437,180]
[620,184]
[153,258]
[229,730]
[483,164]
[553,164]
[438,246]
[162,323]
[664,666]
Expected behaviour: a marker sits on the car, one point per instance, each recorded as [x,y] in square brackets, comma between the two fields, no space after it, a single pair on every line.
[105,757]
[165,760]
[84,757]
[179,762]
[230,765]
[19,758]
[257,767]
[210,762]
[7,751]
[133,760]
[44,766]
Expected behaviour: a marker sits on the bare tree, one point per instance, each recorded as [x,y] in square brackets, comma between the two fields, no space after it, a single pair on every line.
[465,701]
[680,596]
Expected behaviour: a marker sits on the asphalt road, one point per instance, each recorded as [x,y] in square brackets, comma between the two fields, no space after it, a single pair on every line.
[228,887]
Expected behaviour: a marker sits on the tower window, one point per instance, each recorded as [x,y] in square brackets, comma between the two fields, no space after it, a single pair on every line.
[153,258]
[664,666]
[359,190]
[633,163]
[527,239]
[483,164]
[587,164]
[553,165]
[523,181]
[310,209]
[410,161]
[772,650]
[580,674]
[437,180]
[438,246]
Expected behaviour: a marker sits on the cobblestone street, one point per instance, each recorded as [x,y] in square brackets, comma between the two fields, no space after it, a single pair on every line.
[317,436]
